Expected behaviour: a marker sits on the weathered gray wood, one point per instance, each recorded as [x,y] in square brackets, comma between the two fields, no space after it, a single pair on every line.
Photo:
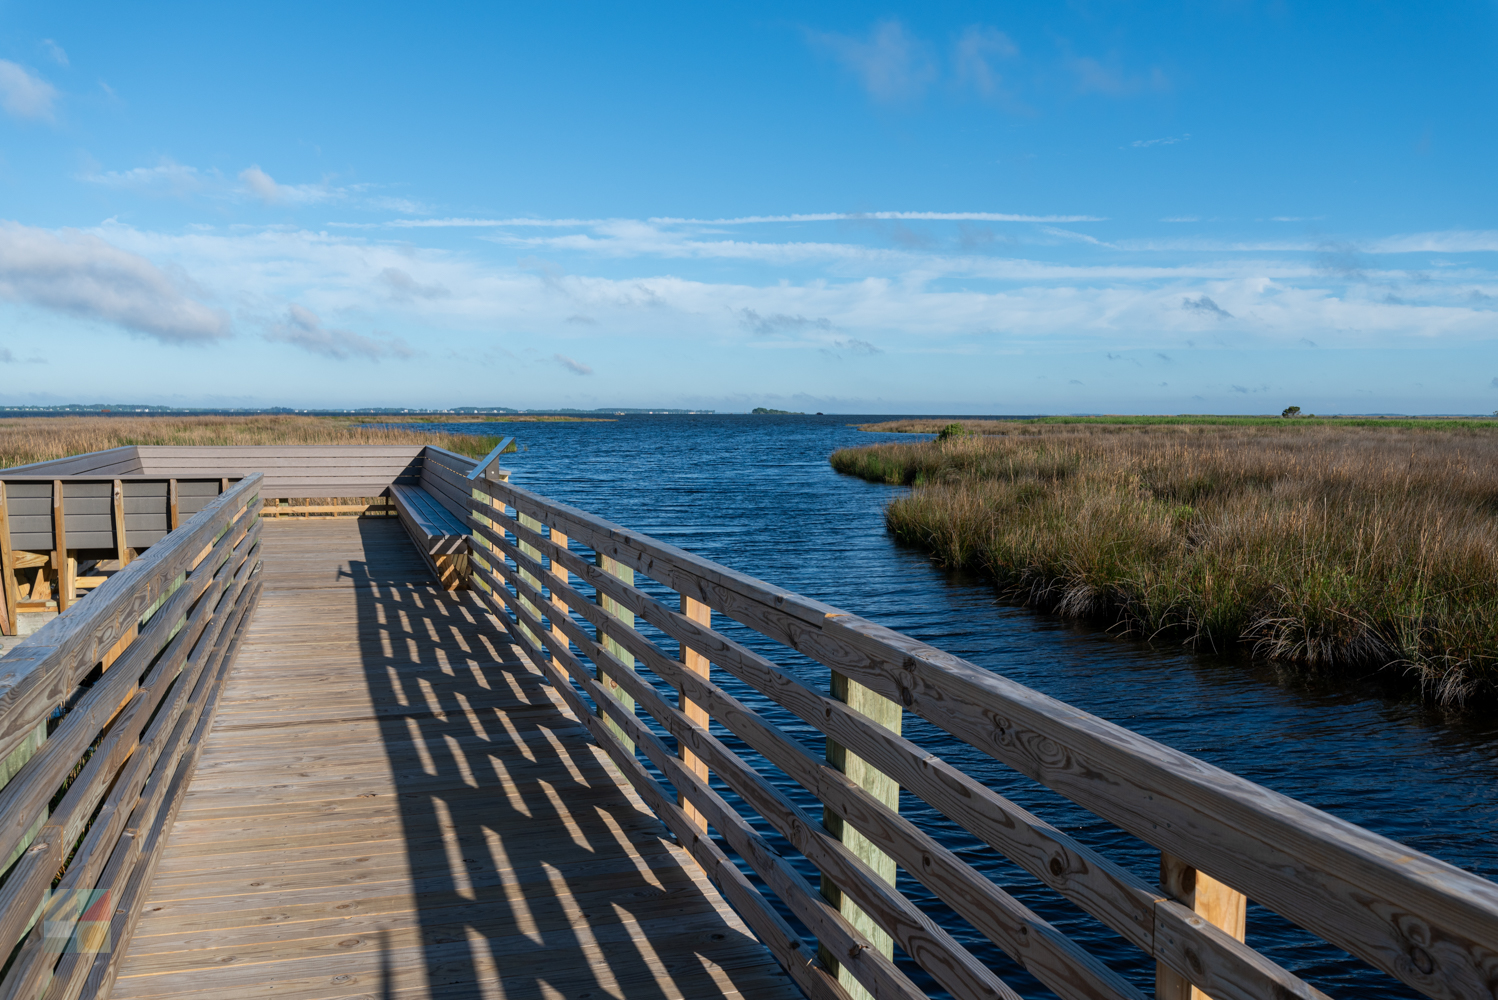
[253,813]
[135,858]
[25,797]
[41,671]
[767,924]
[872,968]
[124,459]
[1062,965]
[107,853]
[105,965]
[927,943]
[1302,863]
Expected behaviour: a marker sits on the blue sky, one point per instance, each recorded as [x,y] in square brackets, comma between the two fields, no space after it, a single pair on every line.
[946,207]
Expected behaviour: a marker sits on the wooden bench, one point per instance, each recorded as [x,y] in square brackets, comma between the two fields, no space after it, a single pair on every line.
[441,537]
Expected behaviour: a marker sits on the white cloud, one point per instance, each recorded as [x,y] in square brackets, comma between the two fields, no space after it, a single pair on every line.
[55,51]
[82,275]
[804,296]
[260,184]
[891,64]
[24,94]
[303,328]
[166,177]
[575,367]
[1456,241]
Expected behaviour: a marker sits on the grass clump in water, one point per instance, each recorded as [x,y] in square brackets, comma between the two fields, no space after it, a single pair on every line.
[1338,548]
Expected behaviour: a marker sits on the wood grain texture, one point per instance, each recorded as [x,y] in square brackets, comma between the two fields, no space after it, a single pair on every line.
[474,843]
[1426,922]
[43,670]
[9,592]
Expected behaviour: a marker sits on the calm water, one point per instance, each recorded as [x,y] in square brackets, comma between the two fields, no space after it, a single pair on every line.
[757,494]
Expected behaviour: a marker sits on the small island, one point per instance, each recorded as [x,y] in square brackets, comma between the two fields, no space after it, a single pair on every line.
[778,413]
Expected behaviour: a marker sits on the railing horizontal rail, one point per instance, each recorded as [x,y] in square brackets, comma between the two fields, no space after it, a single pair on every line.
[99,715]
[1428,923]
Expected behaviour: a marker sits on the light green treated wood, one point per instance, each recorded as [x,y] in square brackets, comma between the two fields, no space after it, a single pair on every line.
[884,788]
[530,578]
[615,568]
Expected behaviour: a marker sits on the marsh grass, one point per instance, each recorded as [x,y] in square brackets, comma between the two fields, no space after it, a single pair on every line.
[39,439]
[1341,549]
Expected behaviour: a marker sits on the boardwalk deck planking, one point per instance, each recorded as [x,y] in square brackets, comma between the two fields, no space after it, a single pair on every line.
[392,802]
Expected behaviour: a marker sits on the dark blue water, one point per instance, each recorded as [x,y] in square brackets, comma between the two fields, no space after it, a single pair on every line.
[757,494]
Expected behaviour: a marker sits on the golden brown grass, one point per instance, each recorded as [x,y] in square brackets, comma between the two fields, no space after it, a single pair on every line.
[1336,548]
[39,439]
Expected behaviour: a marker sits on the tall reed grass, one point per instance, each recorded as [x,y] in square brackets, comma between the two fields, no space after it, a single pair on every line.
[1340,549]
[39,439]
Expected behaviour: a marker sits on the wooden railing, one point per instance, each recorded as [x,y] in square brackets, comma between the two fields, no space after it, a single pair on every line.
[102,713]
[1423,921]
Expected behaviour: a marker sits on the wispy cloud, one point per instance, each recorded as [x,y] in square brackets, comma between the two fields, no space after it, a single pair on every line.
[973,58]
[260,184]
[572,365]
[1170,140]
[23,94]
[1093,76]
[890,63]
[745,220]
[55,51]
[167,177]
[82,275]
[303,328]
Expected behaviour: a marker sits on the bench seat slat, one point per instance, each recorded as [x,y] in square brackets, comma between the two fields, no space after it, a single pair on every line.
[444,533]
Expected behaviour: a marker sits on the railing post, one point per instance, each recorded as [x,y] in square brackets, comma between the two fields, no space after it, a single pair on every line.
[881,786]
[1219,905]
[481,498]
[8,569]
[615,568]
[529,577]
[559,571]
[121,544]
[60,550]
[699,665]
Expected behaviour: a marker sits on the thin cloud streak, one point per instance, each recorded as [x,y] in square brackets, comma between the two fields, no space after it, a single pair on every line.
[743,220]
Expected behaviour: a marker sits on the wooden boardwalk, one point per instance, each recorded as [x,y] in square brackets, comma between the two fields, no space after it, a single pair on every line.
[393,804]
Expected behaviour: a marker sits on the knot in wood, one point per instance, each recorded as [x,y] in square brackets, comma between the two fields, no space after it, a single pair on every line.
[855,951]
[906,697]
[1421,959]
[1057,868]
[1193,961]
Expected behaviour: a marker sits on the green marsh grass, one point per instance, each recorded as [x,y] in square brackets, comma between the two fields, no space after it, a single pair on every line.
[1340,548]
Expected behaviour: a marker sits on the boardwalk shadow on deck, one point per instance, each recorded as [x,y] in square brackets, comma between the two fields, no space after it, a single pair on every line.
[392,803]
[534,870]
